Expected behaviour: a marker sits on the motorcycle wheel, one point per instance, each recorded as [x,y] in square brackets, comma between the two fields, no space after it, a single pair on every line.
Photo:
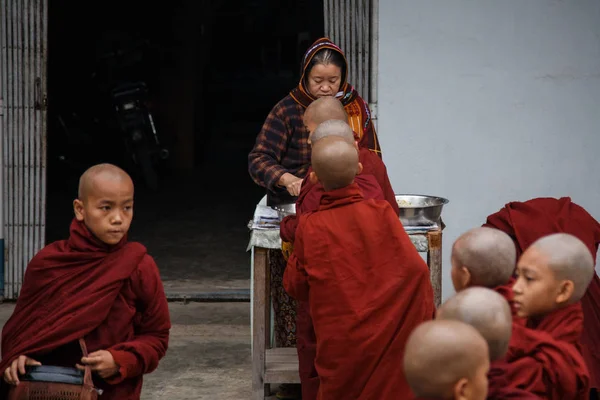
[149,174]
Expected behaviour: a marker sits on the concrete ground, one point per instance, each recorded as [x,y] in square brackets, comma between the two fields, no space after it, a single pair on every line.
[208,356]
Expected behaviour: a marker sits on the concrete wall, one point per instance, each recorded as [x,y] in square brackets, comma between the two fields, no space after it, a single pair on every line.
[486,102]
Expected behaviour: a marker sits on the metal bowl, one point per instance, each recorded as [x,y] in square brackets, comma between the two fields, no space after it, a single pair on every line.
[283,210]
[420,210]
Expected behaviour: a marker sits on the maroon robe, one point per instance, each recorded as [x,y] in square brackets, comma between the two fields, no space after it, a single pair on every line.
[498,385]
[528,221]
[367,288]
[112,296]
[310,198]
[500,388]
[544,357]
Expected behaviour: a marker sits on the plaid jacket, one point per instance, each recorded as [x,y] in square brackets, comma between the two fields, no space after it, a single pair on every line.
[281,146]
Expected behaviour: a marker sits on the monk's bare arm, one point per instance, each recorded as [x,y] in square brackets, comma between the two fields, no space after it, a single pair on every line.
[142,354]
[295,278]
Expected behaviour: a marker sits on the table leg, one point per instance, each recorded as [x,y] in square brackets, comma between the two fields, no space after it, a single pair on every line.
[260,315]
[434,261]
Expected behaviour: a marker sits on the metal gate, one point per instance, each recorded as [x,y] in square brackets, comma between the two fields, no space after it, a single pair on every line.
[23,55]
[354,26]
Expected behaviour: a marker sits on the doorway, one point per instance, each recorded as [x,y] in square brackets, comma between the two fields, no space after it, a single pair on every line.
[214,70]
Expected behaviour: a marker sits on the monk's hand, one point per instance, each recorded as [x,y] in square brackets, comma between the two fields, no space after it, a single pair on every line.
[291,182]
[16,368]
[101,362]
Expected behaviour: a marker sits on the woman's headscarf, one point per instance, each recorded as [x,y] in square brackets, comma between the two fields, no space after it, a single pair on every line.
[359,115]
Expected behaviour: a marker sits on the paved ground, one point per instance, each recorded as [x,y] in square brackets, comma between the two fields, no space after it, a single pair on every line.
[208,357]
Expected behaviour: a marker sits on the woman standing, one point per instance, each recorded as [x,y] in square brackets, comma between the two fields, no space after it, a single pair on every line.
[281,155]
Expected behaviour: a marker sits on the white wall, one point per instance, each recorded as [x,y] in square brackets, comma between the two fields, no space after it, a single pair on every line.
[490,101]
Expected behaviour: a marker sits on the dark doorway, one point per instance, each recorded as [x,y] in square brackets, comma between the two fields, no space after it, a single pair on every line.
[214,70]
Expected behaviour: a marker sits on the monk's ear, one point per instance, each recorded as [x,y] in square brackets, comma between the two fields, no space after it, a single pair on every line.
[356,145]
[313,178]
[360,169]
[465,277]
[461,389]
[565,292]
[79,210]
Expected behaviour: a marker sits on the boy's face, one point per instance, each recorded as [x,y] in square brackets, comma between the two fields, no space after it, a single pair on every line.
[108,209]
[537,291]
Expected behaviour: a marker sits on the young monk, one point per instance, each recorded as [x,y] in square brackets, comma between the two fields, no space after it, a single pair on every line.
[545,359]
[366,285]
[97,286]
[308,200]
[489,313]
[446,360]
[484,257]
[373,181]
[311,192]
[330,108]
[527,221]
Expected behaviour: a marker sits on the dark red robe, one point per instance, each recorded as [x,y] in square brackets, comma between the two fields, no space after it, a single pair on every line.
[373,165]
[112,296]
[544,357]
[373,181]
[367,288]
[500,388]
[528,221]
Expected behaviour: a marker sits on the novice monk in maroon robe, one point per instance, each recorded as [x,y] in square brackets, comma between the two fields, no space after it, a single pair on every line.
[330,108]
[544,358]
[94,285]
[446,360]
[489,313]
[309,200]
[373,180]
[528,221]
[365,282]
[484,257]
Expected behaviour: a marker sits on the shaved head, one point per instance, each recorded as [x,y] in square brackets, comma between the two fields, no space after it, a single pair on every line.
[569,259]
[335,162]
[439,354]
[324,109]
[91,178]
[486,311]
[488,254]
[333,127]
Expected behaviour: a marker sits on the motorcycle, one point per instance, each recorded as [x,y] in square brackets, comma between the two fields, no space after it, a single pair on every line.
[138,129]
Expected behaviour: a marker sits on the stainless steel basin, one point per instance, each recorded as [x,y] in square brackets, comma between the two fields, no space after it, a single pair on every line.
[420,210]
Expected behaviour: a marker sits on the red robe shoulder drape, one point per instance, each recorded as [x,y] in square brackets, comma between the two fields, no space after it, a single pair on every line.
[112,296]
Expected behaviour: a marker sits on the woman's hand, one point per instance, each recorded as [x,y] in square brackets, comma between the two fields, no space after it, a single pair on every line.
[100,362]
[16,368]
[291,182]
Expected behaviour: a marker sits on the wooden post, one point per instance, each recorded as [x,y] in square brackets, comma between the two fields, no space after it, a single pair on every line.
[434,261]
[260,331]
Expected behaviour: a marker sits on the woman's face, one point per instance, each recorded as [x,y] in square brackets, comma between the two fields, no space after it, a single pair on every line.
[324,80]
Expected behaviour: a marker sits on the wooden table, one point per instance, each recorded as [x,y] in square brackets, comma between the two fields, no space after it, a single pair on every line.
[280,365]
